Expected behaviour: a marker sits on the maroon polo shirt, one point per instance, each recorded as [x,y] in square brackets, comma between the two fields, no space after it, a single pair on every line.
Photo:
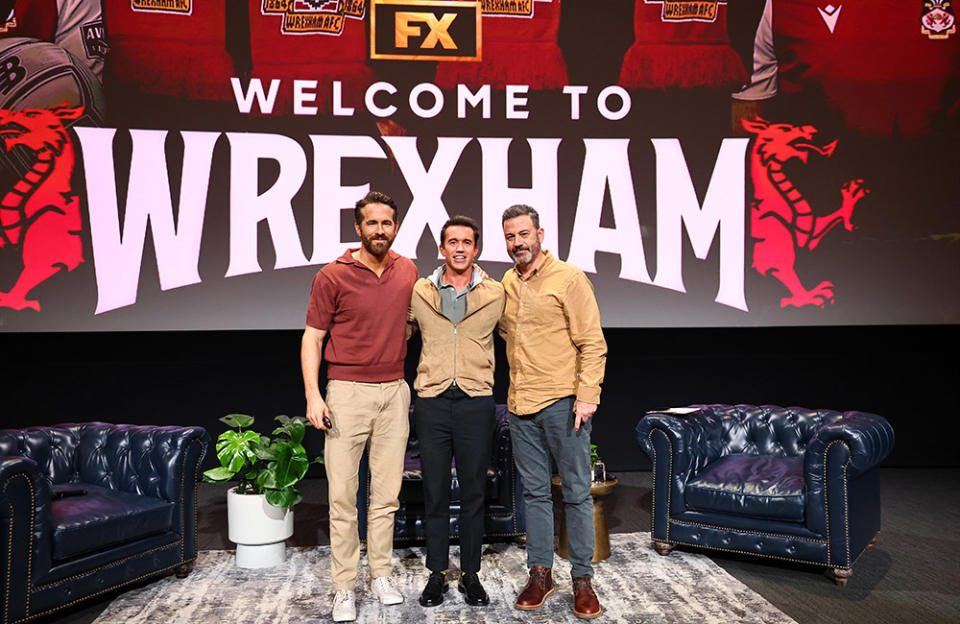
[364,315]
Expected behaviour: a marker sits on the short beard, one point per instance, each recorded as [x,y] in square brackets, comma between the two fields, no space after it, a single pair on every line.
[368,245]
[532,250]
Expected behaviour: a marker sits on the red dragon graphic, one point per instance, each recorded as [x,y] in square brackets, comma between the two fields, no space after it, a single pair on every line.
[781,220]
[40,215]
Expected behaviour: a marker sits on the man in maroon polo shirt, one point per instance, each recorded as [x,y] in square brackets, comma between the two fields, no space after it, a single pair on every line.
[360,301]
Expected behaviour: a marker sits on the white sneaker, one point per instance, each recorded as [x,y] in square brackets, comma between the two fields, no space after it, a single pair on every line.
[344,606]
[385,591]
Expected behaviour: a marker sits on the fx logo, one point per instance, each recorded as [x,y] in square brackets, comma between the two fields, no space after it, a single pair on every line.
[425,30]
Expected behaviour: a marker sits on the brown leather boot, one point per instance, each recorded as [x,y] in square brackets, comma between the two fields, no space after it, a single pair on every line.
[585,602]
[538,588]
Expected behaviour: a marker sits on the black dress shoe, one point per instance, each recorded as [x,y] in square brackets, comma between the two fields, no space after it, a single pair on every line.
[436,587]
[472,590]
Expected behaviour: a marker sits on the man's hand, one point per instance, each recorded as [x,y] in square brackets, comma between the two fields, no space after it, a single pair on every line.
[318,413]
[582,412]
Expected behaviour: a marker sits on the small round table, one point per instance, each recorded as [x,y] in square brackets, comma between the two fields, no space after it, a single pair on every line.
[601,548]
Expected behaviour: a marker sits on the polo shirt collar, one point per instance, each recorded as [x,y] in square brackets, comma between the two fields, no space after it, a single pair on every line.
[347,258]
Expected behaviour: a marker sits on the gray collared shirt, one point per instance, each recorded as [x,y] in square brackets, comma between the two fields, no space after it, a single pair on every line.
[453,304]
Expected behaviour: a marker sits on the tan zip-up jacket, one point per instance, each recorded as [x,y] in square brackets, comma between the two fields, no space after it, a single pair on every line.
[463,352]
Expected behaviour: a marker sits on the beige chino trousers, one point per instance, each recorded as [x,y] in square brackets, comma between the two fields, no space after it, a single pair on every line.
[362,413]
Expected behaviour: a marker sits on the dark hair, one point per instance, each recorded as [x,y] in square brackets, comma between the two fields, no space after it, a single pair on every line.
[518,210]
[463,221]
[374,197]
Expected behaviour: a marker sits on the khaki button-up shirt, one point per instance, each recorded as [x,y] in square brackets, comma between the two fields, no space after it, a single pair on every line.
[555,344]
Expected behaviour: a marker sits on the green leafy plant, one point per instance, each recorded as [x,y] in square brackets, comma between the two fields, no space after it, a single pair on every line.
[594,455]
[262,465]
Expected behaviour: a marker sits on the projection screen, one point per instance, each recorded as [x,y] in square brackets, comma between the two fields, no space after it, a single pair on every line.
[190,164]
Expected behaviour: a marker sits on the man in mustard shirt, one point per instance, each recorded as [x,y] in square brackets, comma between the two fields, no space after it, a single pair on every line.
[557,355]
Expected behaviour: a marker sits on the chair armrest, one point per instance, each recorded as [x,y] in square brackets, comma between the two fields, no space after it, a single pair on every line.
[501,456]
[500,450]
[679,447]
[25,516]
[696,438]
[868,437]
[15,465]
[35,495]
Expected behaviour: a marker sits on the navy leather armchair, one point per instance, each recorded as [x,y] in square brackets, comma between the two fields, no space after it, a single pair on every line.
[504,512]
[792,484]
[87,508]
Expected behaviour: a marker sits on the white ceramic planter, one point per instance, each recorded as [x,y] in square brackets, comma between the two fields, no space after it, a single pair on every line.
[258,529]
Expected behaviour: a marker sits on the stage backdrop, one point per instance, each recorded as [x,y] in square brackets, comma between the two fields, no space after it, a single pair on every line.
[713,164]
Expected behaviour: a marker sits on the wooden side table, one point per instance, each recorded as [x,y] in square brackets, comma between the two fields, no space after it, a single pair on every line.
[601,548]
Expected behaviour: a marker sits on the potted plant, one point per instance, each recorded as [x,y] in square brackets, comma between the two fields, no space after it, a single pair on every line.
[260,507]
[597,467]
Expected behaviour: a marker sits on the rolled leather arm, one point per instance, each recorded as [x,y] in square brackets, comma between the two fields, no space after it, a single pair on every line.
[696,438]
[869,437]
[18,466]
[25,513]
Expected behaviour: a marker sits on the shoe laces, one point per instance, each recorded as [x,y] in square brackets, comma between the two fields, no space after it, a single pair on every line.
[383,584]
[342,596]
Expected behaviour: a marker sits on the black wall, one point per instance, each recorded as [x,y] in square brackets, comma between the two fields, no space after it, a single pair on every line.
[908,374]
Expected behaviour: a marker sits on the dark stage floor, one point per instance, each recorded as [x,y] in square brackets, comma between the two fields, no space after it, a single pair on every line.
[913,575]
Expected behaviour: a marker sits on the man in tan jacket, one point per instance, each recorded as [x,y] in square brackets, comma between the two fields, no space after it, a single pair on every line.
[456,311]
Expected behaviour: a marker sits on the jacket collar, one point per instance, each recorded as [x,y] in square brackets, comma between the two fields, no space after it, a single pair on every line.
[437,276]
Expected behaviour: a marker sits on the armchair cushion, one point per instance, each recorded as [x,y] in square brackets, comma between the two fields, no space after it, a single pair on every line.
[101,518]
[762,486]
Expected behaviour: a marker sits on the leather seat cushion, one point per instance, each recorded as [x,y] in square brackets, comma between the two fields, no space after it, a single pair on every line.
[761,486]
[101,518]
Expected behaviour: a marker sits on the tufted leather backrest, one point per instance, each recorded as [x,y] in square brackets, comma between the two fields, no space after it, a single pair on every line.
[763,430]
[53,448]
[128,458]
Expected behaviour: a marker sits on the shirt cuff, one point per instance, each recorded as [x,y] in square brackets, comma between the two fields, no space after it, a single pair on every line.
[589,394]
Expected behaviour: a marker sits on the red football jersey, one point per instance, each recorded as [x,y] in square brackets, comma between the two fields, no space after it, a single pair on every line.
[170,47]
[311,40]
[681,43]
[871,60]
[519,46]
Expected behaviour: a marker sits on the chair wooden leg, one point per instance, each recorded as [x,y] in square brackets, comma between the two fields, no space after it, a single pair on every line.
[874,541]
[183,569]
[840,576]
[663,548]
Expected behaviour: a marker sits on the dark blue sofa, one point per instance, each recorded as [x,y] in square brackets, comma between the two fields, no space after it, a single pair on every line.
[88,508]
[792,484]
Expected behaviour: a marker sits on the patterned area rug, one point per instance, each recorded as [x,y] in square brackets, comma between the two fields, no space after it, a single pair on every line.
[634,585]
